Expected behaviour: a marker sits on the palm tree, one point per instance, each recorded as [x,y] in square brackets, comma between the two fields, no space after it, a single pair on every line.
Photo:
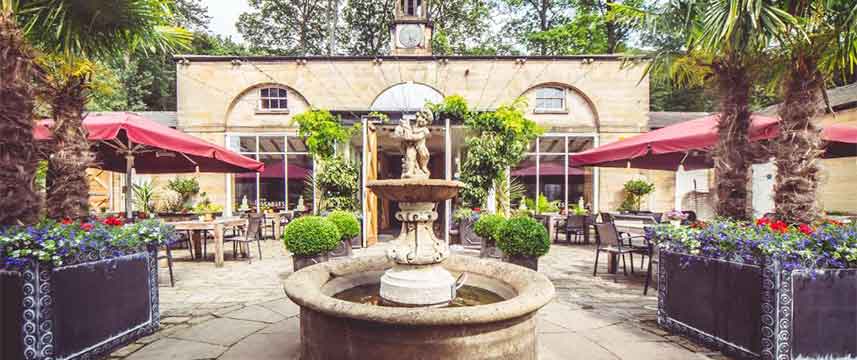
[718,42]
[19,202]
[822,43]
[74,31]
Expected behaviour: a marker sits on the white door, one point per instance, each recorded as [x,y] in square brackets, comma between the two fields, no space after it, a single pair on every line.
[763,188]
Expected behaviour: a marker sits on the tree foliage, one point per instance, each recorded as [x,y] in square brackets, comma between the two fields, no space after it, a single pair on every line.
[287,27]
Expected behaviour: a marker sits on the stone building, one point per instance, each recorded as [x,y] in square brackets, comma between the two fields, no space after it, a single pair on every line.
[248,103]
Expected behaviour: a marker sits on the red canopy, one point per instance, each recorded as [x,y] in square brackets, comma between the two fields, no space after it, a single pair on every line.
[841,140]
[664,149]
[547,169]
[156,148]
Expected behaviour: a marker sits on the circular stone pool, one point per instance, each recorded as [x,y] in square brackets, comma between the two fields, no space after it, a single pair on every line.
[498,323]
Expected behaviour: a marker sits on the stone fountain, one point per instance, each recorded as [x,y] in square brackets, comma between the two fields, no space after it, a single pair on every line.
[408,304]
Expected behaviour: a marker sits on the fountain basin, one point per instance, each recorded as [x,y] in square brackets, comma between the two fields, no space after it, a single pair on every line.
[415,190]
[338,329]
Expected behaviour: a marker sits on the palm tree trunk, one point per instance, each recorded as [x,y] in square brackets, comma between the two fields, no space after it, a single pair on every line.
[68,195]
[799,143]
[19,202]
[733,152]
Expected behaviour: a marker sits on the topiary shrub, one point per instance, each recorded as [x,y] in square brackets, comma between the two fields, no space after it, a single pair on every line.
[523,236]
[310,236]
[488,226]
[346,223]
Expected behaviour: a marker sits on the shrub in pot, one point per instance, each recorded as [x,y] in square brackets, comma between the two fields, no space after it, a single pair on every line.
[523,240]
[488,227]
[349,228]
[309,239]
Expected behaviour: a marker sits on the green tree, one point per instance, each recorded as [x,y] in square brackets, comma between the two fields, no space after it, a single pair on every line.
[527,17]
[367,27]
[74,33]
[287,27]
[821,44]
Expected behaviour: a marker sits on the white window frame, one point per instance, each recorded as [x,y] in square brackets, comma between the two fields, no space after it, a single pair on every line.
[596,172]
[278,110]
[562,97]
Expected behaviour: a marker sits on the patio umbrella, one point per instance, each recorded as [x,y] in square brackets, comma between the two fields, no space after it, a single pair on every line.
[841,140]
[548,169]
[126,141]
[686,143]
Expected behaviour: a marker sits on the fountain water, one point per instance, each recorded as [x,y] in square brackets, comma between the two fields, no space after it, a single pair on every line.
[493,318]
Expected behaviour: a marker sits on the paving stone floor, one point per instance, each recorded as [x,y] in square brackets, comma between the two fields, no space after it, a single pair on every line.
[239,311]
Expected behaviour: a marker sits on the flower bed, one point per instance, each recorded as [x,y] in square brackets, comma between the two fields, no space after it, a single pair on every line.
[765,290]
[78,290]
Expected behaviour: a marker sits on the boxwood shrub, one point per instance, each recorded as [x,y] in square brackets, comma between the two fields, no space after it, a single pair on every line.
[488,226]
[310,236]
[346,223]
[523,236]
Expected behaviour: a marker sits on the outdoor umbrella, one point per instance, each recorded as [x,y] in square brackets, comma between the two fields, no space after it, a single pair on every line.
[126,141]
[686,143]
[547,169]
[841,140]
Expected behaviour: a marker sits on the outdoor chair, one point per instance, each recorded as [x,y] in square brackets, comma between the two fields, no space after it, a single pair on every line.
[168,255]
[252,233]
[609,240]
[574,225]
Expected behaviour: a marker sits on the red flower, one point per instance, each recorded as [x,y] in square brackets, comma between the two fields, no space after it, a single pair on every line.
[779,226]
[66,221]
[86,226]
[476,209]
[113,221]
[763,222]
[834,222]
[806,229]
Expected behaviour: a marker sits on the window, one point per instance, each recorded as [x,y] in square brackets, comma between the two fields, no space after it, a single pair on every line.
[273,99]
[284,184]
[550,99]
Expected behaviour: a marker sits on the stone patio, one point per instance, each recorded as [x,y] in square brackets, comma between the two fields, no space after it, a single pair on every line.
[239,311]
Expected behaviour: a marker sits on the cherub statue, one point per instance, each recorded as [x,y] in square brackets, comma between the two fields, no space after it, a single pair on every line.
[416,153]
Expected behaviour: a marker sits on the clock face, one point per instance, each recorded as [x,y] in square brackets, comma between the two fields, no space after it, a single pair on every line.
[410,35]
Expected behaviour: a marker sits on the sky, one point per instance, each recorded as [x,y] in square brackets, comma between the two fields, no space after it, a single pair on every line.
[224,14]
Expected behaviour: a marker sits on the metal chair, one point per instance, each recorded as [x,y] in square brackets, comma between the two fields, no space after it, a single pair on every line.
[609,240]
[574,225]
[253,233]
[169,256]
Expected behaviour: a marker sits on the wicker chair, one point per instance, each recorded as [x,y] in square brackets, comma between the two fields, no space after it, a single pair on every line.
[252,233]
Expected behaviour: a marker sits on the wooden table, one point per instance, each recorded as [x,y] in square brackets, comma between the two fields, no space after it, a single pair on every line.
[552,219]
[196,227]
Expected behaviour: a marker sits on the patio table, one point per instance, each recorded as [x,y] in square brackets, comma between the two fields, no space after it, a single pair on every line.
[278,217]
[196,227]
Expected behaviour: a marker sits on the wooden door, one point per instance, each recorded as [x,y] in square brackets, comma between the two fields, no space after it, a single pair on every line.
[371,159]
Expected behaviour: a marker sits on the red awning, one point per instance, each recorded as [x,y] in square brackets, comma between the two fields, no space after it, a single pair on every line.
[664,149]
[276,171]
[156,148]
[841,140]
[548,169]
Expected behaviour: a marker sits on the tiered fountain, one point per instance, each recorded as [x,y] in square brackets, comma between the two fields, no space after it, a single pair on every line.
[413,303]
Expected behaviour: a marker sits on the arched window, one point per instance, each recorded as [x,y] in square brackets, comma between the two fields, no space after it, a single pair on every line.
[550,99]
[273,99]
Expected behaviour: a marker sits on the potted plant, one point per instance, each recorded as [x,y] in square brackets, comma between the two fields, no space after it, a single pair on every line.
[635,190]
[348,227]
[767,290]
[206,209]
[82,289]
[523,240]
[488,228]
[309,239]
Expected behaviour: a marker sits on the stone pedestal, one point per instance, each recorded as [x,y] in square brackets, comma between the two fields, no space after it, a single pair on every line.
[417,279]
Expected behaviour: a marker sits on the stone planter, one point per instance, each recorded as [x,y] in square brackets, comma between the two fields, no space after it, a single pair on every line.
[759,312]
[301,262]
[529,262]
[343,250]
[84,309]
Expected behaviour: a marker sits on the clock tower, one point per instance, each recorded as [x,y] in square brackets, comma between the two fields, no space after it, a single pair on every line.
[411,29]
